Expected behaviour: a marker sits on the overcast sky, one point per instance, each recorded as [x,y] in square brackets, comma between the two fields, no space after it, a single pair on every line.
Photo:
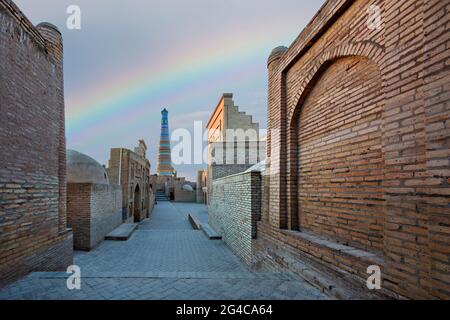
[132,58]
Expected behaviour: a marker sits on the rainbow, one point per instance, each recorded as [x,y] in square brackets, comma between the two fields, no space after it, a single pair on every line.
[138,95]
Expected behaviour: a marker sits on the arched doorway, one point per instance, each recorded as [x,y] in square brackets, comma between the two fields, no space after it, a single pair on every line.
[137,204]
[337,171]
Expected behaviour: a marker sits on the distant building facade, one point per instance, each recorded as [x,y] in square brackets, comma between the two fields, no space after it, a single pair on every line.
[131,170]
[33,221]
[234,142]
[202,190]
[94,206]
[233,188]
[173,188]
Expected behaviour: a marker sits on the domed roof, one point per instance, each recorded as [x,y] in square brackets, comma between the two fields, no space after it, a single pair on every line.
[277,53]
[278,50]
[83,169]
[188,187]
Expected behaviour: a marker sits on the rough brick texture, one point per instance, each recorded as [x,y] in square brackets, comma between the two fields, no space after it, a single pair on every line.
[235,209]
[33,234]
[358,148]
[93,210]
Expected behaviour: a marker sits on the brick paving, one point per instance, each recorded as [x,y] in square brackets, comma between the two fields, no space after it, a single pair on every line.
[164,259]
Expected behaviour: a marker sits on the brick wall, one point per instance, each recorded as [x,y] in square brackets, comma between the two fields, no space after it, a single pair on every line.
[182,195]
[233,141]
[340,163]
[79,214]
[234,210]
[106,211]
[359,130]
[33,234]
[230,158]
[93,210]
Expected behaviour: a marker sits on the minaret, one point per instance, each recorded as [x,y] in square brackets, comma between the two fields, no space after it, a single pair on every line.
[164,158]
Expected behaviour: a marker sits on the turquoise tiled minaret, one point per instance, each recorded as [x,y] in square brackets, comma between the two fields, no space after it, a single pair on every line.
[164,158]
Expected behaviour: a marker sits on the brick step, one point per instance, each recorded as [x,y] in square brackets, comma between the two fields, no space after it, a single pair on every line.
[205,227]
[210,232]
[195,223]
[161,196]
[122,232]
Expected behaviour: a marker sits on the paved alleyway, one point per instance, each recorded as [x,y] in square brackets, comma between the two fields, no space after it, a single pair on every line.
[164,259]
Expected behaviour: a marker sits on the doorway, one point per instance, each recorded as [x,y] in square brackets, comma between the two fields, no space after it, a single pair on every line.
[137,204]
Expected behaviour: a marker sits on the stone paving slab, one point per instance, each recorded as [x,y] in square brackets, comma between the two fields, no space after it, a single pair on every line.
[164,259]
[197,210]
[159,250]
[160,289]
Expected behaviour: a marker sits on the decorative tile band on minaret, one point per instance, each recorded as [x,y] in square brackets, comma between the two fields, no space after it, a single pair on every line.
[164,158]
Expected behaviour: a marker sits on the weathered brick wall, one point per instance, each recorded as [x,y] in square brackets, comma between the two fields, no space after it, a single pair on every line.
[106,211]
[234,210]
[33,234]
[93,210]
[79,214]
[340,163]
[359,147]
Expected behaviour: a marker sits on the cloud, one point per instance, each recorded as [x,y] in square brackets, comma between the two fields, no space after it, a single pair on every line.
[121,39]
[187,120]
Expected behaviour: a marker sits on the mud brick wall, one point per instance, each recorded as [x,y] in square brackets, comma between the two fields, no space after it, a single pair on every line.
[33,234]
[359,146]
[78,214]
[235,209]
[93,210]
[106,211]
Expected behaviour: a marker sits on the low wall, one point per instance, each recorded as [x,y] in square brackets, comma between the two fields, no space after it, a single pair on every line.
[234,210]
[184,196]
[106,211]
[93,210]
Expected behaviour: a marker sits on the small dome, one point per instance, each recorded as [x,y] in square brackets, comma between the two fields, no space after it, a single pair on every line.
[47,25]
[278,50]
[188,187]
[277,53]
[83,169]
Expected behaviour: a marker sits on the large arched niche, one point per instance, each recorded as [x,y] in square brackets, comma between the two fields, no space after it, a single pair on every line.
[335,159]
